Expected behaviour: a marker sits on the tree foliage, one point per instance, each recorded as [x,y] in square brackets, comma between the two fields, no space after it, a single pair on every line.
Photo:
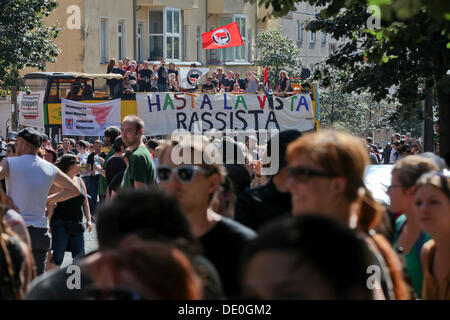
[411,45]
[25,40]
[279,53]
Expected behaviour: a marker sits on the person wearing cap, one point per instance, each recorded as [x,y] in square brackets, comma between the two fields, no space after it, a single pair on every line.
[256,206]
[29,179]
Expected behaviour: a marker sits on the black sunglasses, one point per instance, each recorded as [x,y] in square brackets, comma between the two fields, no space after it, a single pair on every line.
[303,174]
[185,174]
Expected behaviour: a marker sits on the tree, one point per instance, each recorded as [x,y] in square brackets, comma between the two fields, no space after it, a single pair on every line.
[25,40]
[279,53]
[411,45]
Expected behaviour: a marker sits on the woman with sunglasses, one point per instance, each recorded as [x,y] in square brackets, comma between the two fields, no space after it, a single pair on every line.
[408,235]
[432,207]
[194,186]
[326,176]
[66,219]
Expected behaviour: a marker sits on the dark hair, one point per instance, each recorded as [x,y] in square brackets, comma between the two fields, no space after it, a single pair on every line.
[152,143]
[117,144]
[112,132]
[82,144]
[150,214]
[72,142]
[338,255]
[66,161]
[53,153]
[12,145]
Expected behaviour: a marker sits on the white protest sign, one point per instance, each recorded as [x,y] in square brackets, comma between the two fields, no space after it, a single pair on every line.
[31,109]
[89,119]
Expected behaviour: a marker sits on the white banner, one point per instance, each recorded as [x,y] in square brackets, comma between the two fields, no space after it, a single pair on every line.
[165,112]
[89,119]
[189,77]
[31,109]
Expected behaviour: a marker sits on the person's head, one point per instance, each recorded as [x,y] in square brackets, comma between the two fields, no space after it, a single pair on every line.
[112,63]
[236,86]
[163,62]
[214,76]
[69,164]
[408,135]
[152,145]
[118,145]
[132,130]
[284,138]
[230,75]
[133,67]
[292,259]
[150,214]
[326,174]
[126,61]
[237,75]
[145,270]
[110,135]
[98,146]
[369,140]
[72,143]
[396,145]
[120,64]
[224,199]
[396,137]
[283,74]
[145,64]
[432,204]
[81,146]
[208,80]
[28,142]
[405,174]
[172,77]
[10,149]
[404,150]
[188,172]
[219,70]
[193,65]
[172,66]
[50,155]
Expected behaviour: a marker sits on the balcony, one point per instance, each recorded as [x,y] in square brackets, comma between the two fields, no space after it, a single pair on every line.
[226,6]
[181,4]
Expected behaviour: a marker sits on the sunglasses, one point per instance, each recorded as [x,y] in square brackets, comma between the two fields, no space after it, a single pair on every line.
[184,174]
[303,174]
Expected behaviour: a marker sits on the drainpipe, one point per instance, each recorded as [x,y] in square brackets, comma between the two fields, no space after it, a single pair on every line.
[134,30]
[206,29]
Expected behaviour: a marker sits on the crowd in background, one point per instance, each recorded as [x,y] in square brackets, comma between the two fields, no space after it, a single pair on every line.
[218,228]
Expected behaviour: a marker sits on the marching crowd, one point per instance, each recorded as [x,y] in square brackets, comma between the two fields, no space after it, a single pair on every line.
[175,220]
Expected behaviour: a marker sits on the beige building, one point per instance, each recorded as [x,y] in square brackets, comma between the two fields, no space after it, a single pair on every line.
[314,47]
[96,30]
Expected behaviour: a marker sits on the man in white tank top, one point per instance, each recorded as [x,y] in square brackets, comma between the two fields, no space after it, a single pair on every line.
[29,179]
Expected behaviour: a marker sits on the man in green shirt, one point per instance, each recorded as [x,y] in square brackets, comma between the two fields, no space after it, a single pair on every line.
[141,169]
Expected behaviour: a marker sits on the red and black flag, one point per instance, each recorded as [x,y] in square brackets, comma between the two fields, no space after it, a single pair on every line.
[224,37]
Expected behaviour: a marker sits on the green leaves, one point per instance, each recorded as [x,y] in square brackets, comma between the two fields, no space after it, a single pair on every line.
[25,40]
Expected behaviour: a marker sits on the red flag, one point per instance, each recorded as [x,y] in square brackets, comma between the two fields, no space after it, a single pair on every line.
[223,37]
[266,75]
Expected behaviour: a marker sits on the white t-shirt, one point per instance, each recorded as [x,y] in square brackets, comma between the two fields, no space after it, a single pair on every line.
[83,164]
[29,181]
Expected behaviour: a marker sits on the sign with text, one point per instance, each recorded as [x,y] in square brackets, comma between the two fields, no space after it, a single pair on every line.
[89,119]
[165,112]
[31,109]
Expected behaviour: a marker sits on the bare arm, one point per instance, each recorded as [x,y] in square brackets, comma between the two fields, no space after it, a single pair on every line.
[68,188]
[86,209]
[4,169]
[139,185]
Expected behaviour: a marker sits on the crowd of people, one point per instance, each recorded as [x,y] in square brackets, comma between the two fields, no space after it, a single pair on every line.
[166,78]
[177,221]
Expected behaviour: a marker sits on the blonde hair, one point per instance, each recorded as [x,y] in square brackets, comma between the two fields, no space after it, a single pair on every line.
[436,179]
[285,74]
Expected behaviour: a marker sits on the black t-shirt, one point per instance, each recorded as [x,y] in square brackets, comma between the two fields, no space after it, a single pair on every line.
[208,87]
[242,84]
[163,76]
[113,166]
[116,181]
[173,71]
[146,74]
[91,161]
[118,71]
[223,246]
[215,83]
[228,83]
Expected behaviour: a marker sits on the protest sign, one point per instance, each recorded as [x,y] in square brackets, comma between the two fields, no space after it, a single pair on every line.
[31,109]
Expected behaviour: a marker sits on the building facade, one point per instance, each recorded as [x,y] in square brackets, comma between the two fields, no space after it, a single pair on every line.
[93,31]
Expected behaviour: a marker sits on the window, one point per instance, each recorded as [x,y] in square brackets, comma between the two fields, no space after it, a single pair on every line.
[237,53]
[324,37]
[313,37]
[164,34]
[240,51]
[121,40]
[299,31]
[104,52]
[199,37]
[140,47]
[156,35]
[185,29]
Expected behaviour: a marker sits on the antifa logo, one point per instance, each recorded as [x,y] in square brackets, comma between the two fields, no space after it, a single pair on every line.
[193,76]
[221,37]
[69,123]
